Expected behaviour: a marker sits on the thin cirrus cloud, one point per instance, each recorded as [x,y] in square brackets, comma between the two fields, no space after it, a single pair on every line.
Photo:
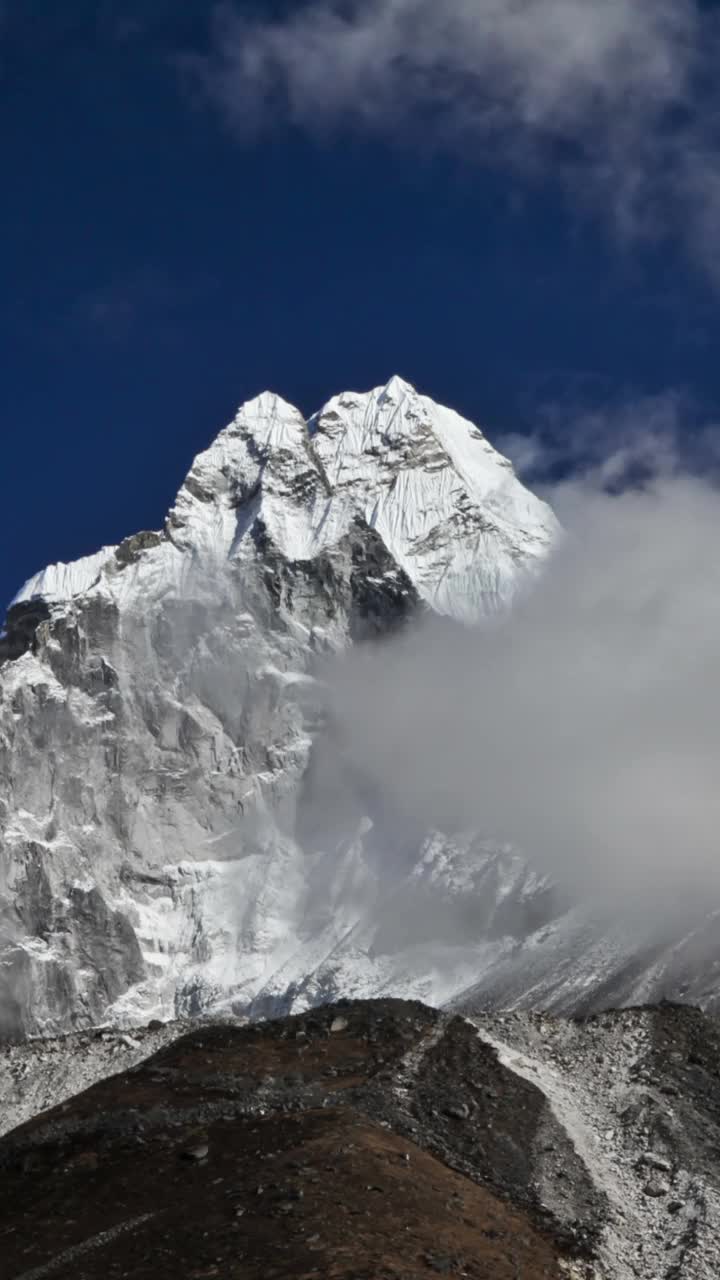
[618,96]
[619,446]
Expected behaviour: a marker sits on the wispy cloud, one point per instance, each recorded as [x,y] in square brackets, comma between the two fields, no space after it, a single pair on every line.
[632,443]
[144,298]
[617,96]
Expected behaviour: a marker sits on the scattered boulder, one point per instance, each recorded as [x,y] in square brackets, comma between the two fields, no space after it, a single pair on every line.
[657,1188]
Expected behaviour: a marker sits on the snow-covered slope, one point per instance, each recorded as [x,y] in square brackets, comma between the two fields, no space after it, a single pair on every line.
[178,829]
[61,582]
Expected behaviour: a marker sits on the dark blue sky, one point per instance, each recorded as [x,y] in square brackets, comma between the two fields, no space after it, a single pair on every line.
[157,269]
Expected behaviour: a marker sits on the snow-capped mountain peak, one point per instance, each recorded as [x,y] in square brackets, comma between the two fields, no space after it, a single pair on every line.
[155,851]
[448,508]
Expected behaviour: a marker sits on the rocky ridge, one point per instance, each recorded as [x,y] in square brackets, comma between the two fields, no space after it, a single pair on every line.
[380,1138]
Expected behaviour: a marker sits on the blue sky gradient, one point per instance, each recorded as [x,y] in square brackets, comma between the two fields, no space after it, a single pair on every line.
[160,265]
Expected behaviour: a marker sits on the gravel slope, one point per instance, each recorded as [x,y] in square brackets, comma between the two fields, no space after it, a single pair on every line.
[601,1134]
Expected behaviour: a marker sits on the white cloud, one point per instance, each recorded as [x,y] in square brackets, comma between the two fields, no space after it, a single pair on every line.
[617,93]
[543,63]
[585,728]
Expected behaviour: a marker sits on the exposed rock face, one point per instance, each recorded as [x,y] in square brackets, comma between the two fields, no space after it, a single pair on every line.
[369,1138]
[21,625]
[162,751]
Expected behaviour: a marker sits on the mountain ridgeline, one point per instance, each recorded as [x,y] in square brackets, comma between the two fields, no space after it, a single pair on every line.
[180,829]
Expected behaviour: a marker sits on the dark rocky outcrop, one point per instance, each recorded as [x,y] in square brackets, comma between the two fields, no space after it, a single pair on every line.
[130,550]
[21,625]
[281,1151]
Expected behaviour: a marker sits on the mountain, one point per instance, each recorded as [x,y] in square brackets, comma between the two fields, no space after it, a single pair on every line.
[368,1139]
[179,829]
[187,846]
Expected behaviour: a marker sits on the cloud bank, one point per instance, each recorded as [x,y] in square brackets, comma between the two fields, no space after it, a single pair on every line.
[585,727]
[618,97]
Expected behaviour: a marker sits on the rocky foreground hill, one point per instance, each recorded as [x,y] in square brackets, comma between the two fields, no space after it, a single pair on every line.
[372,1140]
